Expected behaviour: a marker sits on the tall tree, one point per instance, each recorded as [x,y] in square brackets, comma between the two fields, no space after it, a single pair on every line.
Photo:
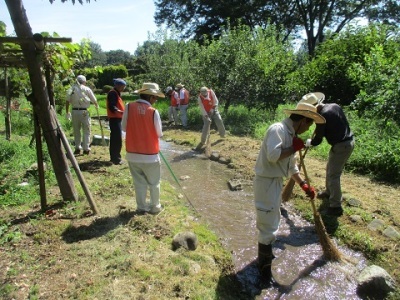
[196,18]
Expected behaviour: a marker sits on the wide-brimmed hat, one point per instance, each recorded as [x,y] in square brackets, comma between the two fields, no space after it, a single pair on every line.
[307,110]
[150,88]
[179,86]
[204,90]
[314,98]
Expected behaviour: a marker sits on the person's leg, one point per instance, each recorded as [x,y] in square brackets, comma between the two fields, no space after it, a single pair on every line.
[218,122]
[338,156]
[86,130]
[183,110]
[206,130]
[115,140]
[267,198]
[76,127]
[175,113]
[170,114]
[140,184]
[152,172]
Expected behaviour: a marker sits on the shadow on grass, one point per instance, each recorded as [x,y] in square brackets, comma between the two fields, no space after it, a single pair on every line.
[97,228]
[94,166]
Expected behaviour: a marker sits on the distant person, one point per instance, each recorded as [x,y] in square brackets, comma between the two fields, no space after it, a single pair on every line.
[80,96]
[183,103]
[173,107]
[275,161]
[115,109]
[338,134]
[142,124]
[208,103]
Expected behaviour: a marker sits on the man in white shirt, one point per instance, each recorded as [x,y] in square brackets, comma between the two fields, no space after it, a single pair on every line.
[79,96]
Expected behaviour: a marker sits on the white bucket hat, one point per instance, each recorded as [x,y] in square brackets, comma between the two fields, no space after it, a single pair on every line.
[313,98]
[150,88]
[307,110]
[204,90]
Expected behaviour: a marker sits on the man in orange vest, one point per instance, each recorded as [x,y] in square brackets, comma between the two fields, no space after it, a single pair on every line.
[173,108]
[208,103]
[115,109]
[183,103]
[142,124]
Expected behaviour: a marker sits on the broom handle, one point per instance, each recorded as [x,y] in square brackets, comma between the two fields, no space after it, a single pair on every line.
[307,179]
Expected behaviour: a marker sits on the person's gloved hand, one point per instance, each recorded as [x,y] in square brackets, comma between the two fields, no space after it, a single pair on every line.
[308,143]
[68,116]
[298,144]
[308,189]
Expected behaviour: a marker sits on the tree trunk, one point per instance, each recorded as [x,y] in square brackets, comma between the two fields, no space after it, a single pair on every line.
[40,101]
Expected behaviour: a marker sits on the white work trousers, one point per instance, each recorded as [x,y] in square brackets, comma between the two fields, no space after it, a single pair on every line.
[146,175]
[267,200]
[216,117]
[183,114]
[81,120]
[173,115]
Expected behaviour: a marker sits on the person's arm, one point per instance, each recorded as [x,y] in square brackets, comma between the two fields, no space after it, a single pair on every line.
[125,118]
[214,99]
[319,134]
[112,97]
[158,124]
[92,97]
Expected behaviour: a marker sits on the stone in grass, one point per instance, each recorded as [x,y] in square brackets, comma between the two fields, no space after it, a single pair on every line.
[187,240]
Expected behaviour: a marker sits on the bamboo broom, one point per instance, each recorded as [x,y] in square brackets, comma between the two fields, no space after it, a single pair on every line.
[329,249]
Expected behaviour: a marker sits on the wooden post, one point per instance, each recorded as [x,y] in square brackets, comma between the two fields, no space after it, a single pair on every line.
[39,156]
[8,107]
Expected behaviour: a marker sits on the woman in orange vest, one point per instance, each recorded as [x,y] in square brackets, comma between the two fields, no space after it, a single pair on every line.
[173,108]
[142,124]
[208,103]
[115,109]
[183,103]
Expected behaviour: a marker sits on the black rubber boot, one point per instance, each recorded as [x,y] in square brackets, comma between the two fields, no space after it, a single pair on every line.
[265,257]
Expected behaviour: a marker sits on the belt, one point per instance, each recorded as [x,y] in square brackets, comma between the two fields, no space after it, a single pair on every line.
[79,108]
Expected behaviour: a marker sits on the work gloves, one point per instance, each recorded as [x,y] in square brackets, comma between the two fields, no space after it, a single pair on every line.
[298,144]
[308,189]
[68,116]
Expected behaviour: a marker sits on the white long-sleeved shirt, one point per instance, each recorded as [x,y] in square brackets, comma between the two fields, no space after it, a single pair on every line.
[279,136]
[143,158]
[80,96]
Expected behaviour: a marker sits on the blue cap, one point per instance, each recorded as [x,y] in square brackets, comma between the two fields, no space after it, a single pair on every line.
[119,81]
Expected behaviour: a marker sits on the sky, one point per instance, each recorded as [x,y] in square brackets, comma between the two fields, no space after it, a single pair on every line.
[113,24]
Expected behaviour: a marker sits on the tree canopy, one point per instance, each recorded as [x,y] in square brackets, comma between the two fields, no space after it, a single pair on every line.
[205,17]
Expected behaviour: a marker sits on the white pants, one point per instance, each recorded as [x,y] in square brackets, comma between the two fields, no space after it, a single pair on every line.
[173,114]
[183,114]
[146,175]
[81,120]
[216,117]
[267,200]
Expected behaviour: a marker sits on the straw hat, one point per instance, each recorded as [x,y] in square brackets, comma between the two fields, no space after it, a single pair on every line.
[179,86]
[307,110]
[204,90]
[313,98]
[150,88]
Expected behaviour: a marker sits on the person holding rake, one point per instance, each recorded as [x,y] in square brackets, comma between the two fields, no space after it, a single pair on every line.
[275,161]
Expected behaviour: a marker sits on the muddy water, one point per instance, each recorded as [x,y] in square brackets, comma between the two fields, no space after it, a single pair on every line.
[298,267]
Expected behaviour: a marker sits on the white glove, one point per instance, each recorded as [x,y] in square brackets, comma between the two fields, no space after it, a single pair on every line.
[308,143]
[68,116]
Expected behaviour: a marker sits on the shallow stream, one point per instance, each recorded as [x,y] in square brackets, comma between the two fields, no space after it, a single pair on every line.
[299,267]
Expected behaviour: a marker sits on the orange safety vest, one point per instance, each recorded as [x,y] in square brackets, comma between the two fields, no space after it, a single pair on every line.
[120,105]
[141,135]
[174,101]
[208,104]
[186,95]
